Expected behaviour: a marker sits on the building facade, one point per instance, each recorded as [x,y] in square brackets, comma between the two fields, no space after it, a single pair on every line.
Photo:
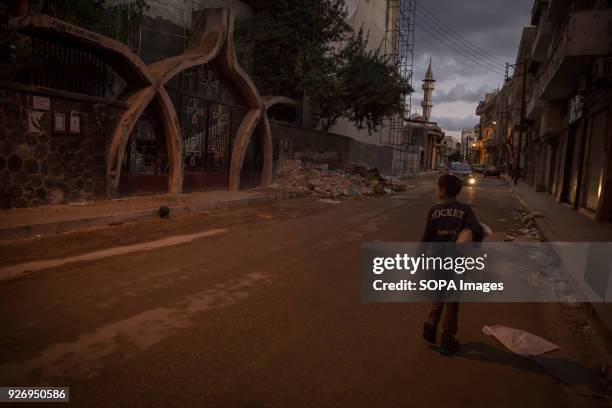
[554,114]
[468,139]
[488,145]
[569,105]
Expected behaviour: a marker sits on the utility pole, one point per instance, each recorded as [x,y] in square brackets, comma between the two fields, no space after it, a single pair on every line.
[517,159]
[462,146]
[522,128]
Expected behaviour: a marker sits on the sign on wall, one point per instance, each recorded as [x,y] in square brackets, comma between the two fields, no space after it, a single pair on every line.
[60,123]
[75,123]
[576,105]
[35,118]
[41,102]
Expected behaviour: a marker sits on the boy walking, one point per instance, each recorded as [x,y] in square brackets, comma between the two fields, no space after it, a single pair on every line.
[449,221]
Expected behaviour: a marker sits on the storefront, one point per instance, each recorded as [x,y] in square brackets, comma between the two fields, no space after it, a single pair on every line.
[585,175]
[595,161]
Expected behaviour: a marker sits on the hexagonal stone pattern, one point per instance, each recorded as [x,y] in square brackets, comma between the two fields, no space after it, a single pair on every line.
[51,167]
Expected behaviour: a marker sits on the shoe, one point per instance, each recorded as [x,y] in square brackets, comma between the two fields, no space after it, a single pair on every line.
[449,347]
[429,332]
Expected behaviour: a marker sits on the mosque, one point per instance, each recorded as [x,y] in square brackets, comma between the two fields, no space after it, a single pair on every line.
[423,136]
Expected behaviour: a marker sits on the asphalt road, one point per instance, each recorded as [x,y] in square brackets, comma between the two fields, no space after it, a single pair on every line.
[265,311]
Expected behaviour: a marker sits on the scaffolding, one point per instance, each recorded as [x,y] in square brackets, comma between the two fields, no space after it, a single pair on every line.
[399,50]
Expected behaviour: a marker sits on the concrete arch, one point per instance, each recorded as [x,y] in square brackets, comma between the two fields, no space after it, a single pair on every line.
[116,54]
[251,119]
[212,37]
[205,46]
[272,100]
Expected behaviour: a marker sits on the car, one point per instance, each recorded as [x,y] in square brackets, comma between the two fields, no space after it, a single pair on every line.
[464,172]
[478,168]
[492,171]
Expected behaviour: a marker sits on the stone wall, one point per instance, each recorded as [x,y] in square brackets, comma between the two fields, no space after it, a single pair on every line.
[42,165]
[293,142]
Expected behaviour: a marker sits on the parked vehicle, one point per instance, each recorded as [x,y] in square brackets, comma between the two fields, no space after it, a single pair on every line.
[478,168]
[463,171]
[492,171]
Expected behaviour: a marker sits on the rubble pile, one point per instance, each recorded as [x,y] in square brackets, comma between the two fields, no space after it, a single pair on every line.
[529,230]
[356,181]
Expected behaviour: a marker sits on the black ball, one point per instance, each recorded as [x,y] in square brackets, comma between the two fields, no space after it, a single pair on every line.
[164,211]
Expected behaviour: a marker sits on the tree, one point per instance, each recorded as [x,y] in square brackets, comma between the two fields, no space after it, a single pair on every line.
[288,39]
[305,47]
[372,88]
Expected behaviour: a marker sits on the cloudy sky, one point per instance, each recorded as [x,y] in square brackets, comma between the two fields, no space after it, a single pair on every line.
[494,26]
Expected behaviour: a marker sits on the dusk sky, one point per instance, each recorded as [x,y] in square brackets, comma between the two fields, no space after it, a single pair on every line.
[493,25]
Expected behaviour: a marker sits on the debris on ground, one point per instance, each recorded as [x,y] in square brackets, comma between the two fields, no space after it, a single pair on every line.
[329,201]
[527,230]
[531,216]
[519,341]
[583,380]
[81,203]
[355,181]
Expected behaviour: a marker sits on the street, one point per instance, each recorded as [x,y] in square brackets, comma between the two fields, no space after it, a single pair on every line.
[266,311]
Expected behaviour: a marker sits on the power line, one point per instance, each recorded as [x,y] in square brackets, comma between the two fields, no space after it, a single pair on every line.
[469,59]
[457,44]
[475,67]
[470,44]
[439,36]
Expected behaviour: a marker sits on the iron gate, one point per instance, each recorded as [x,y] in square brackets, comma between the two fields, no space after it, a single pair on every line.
[209,120]
[145,164]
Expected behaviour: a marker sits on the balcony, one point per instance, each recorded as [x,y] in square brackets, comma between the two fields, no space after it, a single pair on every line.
[491,144]
[540,46]
[552,120]
[585,37]
[534,107]
[536,11]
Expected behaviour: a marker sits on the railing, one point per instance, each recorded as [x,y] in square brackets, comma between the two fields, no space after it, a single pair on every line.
[60,66]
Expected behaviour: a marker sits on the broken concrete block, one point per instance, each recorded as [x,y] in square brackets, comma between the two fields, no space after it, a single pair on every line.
[531,216]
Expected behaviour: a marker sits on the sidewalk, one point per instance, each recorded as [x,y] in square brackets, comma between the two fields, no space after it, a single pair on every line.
[562,223]
[49,219]
[18,223]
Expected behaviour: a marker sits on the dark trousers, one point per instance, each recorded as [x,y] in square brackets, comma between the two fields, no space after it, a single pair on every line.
[451,316]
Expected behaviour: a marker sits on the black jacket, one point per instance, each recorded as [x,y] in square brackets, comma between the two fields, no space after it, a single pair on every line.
[446,220]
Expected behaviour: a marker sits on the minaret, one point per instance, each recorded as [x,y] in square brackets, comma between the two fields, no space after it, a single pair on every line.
[428,87]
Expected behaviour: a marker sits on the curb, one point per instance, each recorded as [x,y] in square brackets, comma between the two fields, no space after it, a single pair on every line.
[595,308]
[540,222]
[56,227]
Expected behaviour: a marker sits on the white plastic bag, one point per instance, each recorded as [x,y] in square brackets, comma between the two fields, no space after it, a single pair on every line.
[519,341]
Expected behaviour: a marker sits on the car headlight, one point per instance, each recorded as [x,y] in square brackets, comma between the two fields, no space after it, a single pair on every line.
[472,180]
